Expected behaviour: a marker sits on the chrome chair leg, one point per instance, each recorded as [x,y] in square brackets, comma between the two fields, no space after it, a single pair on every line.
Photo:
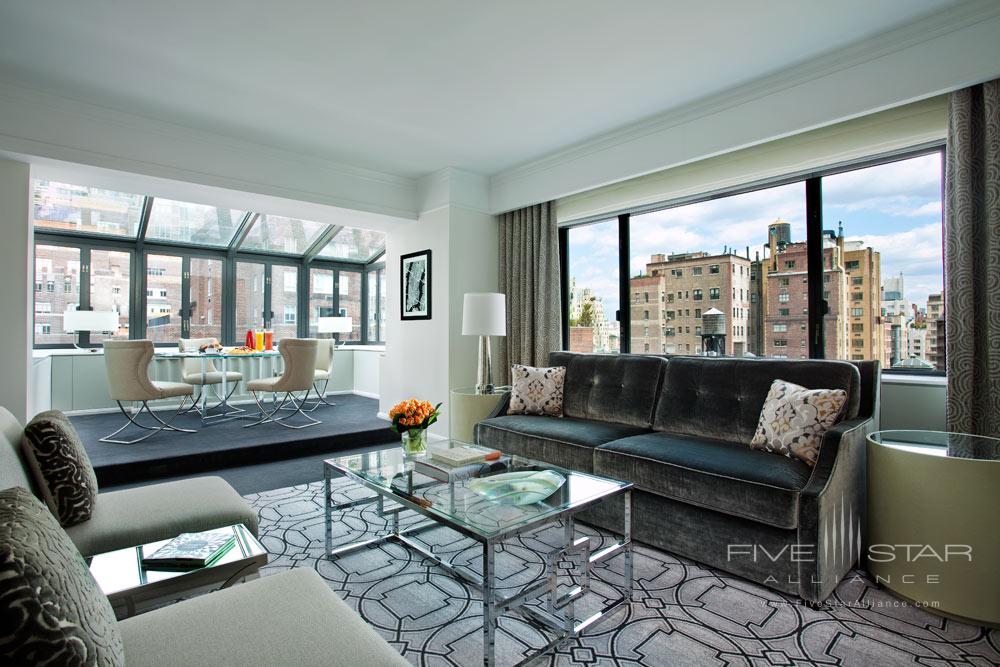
[320,397]
[153,430]
[270,416]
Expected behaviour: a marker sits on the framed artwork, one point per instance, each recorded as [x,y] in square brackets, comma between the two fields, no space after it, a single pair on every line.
[415,297]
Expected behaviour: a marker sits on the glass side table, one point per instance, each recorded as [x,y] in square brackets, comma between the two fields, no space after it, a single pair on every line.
[133,589]
[933,531]
[467,408]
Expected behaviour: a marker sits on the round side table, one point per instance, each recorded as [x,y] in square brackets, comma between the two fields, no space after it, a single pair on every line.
[933,529]
[468,408]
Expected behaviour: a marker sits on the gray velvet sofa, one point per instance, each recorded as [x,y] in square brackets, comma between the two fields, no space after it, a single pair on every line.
[680,429]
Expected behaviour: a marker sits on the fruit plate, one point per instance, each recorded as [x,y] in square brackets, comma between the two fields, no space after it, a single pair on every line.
[518,488]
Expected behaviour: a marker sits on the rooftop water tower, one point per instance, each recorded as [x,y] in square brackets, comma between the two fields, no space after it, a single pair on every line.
[713,332]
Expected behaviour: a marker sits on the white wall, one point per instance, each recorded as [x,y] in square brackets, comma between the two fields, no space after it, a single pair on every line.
[425,358]
[16,254]
[366,372]
[913,403]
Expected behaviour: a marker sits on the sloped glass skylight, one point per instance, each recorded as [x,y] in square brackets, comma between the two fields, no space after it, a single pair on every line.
[354,244]
[65,207]
[185,222]
[276,233]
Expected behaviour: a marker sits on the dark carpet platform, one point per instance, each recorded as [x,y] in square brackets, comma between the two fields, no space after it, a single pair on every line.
[350,424]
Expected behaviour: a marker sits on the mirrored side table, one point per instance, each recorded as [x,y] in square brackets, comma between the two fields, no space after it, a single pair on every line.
[467,408]
[933,530]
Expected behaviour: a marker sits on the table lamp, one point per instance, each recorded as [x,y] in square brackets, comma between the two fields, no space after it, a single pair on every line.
[484,314]
[76,321]
[335,325]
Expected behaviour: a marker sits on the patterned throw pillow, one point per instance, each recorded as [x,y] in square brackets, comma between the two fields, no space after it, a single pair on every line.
[537,391]
[794,420]
[51,609]
[61,467]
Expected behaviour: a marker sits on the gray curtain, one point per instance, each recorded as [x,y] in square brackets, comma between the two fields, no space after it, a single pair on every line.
[972,260]
[529,276]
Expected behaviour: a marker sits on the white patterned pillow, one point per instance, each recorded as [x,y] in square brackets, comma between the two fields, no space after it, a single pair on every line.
[537,391]
[61,467]
[52,612]
[794,420]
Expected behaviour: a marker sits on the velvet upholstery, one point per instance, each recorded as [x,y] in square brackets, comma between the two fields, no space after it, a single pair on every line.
[722,476]
[564,442]
[700,491]
[721,399]
[618,388]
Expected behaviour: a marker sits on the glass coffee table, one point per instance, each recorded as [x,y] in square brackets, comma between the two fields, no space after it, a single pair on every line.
[132,588]
[446,500]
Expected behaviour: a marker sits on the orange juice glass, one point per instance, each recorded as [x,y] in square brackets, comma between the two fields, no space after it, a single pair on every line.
[259,340]
[268,340]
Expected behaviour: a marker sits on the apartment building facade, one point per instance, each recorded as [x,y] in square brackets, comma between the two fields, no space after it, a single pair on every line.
[668,300]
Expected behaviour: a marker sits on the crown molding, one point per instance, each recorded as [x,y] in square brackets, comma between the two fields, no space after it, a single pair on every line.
[504,184]
[43,124]
[452,187]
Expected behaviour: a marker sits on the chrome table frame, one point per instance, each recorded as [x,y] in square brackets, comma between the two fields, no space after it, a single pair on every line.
[558,617]
[229,411]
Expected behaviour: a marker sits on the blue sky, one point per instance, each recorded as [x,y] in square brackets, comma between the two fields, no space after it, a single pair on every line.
[894,208]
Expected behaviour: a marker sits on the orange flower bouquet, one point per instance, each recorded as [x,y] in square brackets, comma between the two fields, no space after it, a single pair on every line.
[412,418]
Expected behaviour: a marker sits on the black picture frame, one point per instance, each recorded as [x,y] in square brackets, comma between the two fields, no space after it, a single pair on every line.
[415,298]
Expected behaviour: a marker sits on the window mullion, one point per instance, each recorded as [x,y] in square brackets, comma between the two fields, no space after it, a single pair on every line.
[624,273]
[818,306]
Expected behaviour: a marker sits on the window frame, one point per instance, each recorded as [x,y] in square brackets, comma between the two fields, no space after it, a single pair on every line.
[812,180]
[140,247]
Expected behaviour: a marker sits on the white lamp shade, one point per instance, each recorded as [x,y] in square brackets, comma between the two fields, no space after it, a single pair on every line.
[90,320]
[484,314]
[335,325]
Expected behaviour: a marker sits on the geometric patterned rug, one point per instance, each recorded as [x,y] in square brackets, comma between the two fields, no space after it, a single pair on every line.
[682,613]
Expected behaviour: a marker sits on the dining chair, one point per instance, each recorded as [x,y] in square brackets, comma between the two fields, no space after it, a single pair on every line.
[202,373]
[299,357]
[323,372]
[127,366]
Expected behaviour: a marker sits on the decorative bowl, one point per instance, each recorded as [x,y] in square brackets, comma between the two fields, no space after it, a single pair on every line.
[518,488]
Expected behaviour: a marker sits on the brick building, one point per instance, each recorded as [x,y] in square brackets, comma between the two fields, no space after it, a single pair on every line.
[668,300]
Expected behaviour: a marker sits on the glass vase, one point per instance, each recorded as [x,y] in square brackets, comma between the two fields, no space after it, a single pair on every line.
[415,441]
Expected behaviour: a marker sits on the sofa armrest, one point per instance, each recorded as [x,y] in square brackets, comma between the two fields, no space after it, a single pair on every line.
[832,511]
[501,407]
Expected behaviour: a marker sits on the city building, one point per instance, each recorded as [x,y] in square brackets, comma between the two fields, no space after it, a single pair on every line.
[669,299]
[862,272]
[586,311]
[936,353]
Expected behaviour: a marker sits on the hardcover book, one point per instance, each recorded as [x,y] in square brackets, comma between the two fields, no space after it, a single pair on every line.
[191,550]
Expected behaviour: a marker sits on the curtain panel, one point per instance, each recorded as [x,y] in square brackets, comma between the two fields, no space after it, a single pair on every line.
[972,260]
[529,276]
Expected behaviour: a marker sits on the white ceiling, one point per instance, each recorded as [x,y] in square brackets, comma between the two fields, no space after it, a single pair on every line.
[411,87]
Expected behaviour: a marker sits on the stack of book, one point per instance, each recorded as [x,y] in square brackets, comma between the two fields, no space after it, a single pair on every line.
[190,551]
[452,464]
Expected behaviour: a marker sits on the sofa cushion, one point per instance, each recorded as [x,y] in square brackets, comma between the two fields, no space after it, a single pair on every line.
[60,466]
[536,391]
[721,398]
[51,609]
[619,388]
[13,470]
[794,420]
[290,618]
[565,442]
[722,476]
[160,511]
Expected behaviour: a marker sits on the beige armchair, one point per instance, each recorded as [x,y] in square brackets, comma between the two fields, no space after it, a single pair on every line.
[127,365]
[323,372]
[299,356]
[201,372]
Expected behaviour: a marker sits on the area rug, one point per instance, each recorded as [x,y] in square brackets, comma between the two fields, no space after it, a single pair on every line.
[683,613]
